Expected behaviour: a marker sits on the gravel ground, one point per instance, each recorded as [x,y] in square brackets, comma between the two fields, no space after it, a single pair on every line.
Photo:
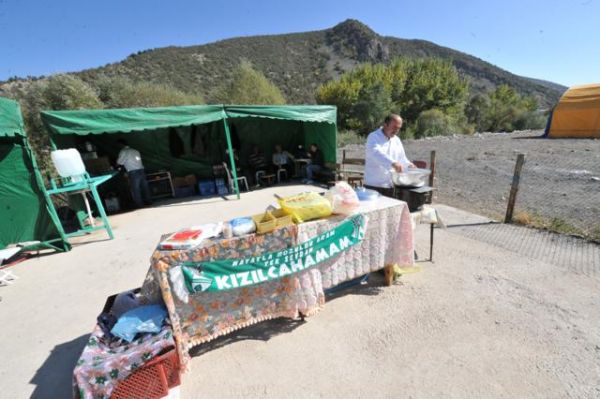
[560,181]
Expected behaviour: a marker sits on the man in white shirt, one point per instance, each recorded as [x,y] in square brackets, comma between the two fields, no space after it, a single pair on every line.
[131,160]
[385,152]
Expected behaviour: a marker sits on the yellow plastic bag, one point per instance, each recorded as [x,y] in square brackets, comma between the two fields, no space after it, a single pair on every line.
[306,206]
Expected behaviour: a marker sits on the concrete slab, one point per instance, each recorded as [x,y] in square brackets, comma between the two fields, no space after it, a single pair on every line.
[484,320]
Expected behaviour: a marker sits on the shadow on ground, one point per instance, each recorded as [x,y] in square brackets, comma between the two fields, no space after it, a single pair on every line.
[259,332]
[54,378]
[271,328]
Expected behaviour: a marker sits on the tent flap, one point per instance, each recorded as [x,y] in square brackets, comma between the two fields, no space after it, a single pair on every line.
[11,122]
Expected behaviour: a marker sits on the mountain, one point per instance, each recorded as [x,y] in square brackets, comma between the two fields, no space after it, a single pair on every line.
[298,62]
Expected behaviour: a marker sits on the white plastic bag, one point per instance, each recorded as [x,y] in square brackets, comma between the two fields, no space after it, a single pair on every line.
[343,199]
[242,226]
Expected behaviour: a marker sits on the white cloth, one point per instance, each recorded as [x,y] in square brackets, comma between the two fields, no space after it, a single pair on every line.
[381,153]
[130,159]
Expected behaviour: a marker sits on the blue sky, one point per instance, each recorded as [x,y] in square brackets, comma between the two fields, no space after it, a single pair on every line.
[556,40]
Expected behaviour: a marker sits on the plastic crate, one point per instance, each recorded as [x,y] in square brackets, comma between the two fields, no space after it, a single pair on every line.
[207,187]
[184,191]
[269,221]
[152,380]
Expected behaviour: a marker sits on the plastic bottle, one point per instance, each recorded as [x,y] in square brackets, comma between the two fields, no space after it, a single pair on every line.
[68,162]
[227,231]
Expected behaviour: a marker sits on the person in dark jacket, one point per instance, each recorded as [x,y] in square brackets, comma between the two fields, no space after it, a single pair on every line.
[317,163]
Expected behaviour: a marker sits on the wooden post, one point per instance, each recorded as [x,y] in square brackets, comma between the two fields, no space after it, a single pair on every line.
[514,188]
[432,167]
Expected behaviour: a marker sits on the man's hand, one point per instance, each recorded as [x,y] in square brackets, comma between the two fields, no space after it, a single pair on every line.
[398,167]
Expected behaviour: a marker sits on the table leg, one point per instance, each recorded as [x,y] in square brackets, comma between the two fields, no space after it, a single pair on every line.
[102,213]
[431,244]
[389,274]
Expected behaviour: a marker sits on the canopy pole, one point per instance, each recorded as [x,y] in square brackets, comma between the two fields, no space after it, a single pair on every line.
[231,158]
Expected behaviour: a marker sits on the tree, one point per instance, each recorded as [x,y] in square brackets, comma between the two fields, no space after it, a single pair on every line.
[431,83]
[343,94]
[373,105]
[476,111]
[503,109]
[249,86]
[412,86]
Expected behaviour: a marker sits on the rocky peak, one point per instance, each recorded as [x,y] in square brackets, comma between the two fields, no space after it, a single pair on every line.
[354,39]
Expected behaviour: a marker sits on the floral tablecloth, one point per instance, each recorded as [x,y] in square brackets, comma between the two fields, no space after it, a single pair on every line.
[207,315]
[101,366]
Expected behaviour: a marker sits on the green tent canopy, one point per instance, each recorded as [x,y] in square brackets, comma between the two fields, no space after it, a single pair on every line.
[24,211]
[316,124]
[128,120]
[191,139]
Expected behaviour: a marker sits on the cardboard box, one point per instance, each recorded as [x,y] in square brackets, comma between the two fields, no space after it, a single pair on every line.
[97,166]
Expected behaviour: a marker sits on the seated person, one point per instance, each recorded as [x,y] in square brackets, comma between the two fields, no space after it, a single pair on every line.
[257,162]
[300,152]
[283,160]
[317,163]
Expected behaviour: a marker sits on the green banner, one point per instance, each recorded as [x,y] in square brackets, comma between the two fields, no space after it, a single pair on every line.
[228,274]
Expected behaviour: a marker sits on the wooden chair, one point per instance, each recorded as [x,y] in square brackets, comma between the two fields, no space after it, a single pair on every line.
[420,164]
[268,180]
[353,177]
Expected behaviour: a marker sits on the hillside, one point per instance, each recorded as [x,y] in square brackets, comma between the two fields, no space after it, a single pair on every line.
[297,63]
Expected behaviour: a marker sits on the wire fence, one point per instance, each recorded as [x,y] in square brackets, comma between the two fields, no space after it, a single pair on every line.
[562,197]
[559,188]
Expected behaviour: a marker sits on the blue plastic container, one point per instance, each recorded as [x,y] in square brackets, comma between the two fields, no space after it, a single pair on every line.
[207,187]
[365,194]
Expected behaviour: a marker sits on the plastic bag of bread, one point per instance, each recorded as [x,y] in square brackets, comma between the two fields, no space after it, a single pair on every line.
[343,199]
[305,206]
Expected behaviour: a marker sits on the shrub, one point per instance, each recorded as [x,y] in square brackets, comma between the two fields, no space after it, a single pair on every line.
[531,120]
[69,92]
[119,92]
[346,137]
[249,86]
[432,123]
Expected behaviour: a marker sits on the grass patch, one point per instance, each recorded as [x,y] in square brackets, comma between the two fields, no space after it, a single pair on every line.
[555,225]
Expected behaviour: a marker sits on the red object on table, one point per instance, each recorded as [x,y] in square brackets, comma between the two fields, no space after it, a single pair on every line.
[185,235]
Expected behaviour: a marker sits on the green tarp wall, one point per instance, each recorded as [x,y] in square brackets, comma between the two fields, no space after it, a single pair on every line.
[24,214]
[198,131]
